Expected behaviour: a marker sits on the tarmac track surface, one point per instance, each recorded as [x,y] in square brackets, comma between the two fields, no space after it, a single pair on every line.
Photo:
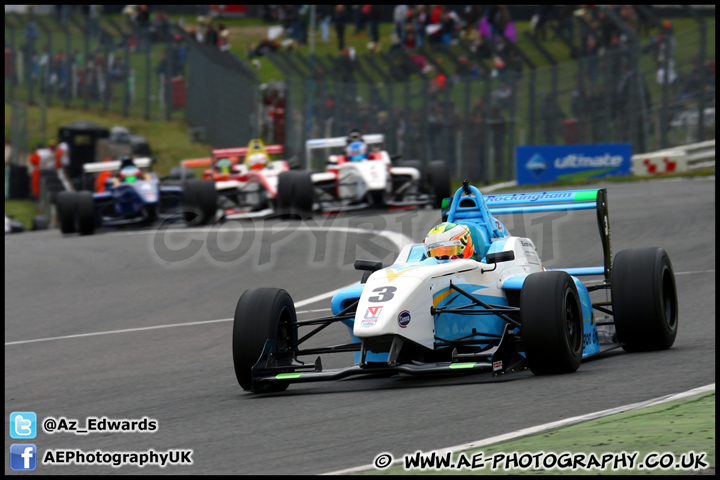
[66,289]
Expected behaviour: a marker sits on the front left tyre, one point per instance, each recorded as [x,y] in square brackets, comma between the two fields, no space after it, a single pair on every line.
[261,314]
[551,323]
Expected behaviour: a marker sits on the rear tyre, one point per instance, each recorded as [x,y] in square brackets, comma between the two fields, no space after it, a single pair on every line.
[439,182]
[40,222]
[644,299]
[304,193]
[552,325]
[295,194]
[66,207]
[199,201]
[283,200]
[85,213]
[261,314]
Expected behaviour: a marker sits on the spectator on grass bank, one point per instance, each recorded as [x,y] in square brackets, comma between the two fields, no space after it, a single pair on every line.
[224,39]
[539,21]
[496,23]
[211,35]
[664,43]
[325,13]
[448,25]
[340,19]
[266,45]
[143,16]
[434,28]
[400,16]
[374,14]
[419,21]
[362,19]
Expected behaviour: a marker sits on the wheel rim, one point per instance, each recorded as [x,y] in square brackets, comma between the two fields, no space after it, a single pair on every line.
[572,322]
[283,332]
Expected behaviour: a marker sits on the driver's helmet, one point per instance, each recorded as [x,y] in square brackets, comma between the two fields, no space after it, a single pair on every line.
[354,136]
[356,151]
[449,241]
[129,174]
[257,161]
[223,166]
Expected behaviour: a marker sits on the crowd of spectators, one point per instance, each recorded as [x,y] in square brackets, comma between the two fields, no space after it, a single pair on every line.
[486,36]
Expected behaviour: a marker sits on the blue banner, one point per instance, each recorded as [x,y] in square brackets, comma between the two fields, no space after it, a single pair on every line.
[536,164]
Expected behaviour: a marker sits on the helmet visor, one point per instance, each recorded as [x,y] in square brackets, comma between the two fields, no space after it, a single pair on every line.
[445,249]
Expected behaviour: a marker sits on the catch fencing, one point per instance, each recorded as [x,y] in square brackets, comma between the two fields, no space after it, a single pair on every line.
[471,111]
[469,104]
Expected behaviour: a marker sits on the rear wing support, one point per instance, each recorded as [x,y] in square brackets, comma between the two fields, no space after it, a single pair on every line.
[335,142]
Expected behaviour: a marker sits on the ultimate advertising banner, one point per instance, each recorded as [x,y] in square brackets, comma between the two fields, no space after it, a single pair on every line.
[536,164]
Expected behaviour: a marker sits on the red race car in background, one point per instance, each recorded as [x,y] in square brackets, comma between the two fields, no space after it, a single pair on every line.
[246,179]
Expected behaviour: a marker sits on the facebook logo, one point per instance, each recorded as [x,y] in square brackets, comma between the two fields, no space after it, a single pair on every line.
[23,456]
[23,425]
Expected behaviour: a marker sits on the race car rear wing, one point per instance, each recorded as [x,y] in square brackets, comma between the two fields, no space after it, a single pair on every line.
[97,167]
[561,201]
[335,142]
[235,152]
[240,152]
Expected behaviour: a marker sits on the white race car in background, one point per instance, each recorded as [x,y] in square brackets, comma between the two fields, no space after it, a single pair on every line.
[377,181]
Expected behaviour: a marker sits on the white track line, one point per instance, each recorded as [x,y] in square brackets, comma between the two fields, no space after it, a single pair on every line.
[299,304]
[548,426]
[696,272]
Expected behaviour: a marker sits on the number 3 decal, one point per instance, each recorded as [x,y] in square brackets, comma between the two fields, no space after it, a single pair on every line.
[386,293]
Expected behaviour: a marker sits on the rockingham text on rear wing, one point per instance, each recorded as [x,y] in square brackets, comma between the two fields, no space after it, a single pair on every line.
[535,202]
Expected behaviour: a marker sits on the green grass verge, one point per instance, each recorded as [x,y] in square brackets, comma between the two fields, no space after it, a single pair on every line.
[169,141]
[21,210]
[677,428]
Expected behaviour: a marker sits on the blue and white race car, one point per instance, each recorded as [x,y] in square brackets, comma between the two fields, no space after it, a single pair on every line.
[132,196]
[502,313]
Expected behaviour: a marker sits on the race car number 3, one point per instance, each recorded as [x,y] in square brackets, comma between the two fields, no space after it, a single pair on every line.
[385,294]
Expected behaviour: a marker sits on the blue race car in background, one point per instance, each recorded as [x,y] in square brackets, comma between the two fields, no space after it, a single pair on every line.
[133,197]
